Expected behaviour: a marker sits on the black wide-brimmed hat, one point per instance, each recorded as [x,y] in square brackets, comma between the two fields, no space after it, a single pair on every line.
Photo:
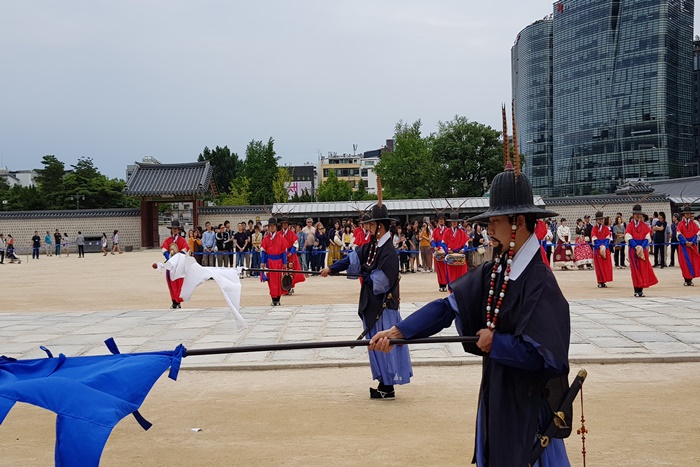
[687,210]
[454,217]
[599,215]
[174,225]
[284,219]
[637,209]
[511,195]
[272,220]
[378,213]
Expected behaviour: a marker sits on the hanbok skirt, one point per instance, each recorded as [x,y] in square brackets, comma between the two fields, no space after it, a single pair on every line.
[583,253]
[393,367]
[563,255]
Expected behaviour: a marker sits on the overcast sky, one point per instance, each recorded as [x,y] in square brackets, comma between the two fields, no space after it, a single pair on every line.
[116,81]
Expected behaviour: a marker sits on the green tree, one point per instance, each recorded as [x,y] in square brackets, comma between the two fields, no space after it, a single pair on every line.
[50,181]
[95,191]
[238,193]
[470,153]
[260,167]
[226,165]
[334,189]
[410,171]
[280,184]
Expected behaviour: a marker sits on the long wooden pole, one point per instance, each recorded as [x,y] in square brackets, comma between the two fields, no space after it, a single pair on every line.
[324,345]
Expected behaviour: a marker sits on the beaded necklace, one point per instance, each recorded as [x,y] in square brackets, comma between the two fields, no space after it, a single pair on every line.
[372,253]
[491,324]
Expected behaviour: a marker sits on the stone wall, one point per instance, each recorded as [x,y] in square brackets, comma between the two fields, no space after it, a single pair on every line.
[22,224]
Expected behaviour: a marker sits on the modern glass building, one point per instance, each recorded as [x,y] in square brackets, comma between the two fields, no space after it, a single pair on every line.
[621,87]
[531,59]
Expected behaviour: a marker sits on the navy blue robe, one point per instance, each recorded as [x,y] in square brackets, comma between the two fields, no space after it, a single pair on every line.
[529,350]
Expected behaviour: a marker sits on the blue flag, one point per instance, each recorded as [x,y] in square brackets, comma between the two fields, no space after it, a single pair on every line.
[89,395]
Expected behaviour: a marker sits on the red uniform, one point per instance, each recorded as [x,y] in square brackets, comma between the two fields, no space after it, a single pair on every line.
[541,232]
[274,250]
[455,239]
[688,256]
[642,274]
[361,237]
[600,236]
[293,242]
[438,242]
[175,286]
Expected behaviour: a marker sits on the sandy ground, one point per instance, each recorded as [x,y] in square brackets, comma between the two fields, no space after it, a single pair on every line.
[637,414]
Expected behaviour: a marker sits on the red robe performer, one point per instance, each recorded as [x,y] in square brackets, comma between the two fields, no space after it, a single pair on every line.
[688,256]
[602,253]
[174,240]
[440,249]
[292,258]
[273,251]
[638,237]
[541,231]
[361,235]
[456,240]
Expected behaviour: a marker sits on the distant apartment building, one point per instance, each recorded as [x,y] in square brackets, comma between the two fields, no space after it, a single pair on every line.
[606,95]
[351,168]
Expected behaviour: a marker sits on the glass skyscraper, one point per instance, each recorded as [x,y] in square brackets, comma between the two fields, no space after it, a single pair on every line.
[531,59]
[621,94]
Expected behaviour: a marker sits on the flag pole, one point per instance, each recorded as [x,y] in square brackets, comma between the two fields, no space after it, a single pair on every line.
[325,345]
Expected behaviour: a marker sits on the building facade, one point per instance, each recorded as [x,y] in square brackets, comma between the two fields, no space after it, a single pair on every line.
[621,89]
[695,163]
[351,168]
[531,59]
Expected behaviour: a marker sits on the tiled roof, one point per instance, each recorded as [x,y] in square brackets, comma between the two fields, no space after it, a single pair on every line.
[189,179]
[679,190]
[63,214]
[599,200]
[398,206]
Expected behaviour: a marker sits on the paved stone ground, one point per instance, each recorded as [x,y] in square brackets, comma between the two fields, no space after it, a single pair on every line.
[608,331]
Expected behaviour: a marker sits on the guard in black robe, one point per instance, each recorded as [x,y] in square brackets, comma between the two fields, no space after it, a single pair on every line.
[377,263]
[525,364]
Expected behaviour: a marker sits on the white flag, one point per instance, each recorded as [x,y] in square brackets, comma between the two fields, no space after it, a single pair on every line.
[185,267]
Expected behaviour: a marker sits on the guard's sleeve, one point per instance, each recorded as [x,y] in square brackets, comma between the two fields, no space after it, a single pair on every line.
[523,353]
[340,265]
[428,320]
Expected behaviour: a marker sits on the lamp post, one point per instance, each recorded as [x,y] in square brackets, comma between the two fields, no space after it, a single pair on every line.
[77,199]
[5,205]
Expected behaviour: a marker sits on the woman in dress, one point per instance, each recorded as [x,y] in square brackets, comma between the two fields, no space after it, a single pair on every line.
[104,242]
[426,256]
[347,240]
[583,253]
[334,243]
[563,254]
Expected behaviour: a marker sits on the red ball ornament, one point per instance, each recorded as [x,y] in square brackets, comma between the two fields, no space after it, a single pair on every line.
[154,265]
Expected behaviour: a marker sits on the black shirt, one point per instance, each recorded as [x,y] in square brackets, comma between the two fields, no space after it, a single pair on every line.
[240,238]
[36,241]
[660,236]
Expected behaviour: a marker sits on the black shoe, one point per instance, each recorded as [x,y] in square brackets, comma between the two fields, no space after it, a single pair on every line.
[639,294]
[688,283]
[377,394]
[275,302]
[174,305]
[602,285]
